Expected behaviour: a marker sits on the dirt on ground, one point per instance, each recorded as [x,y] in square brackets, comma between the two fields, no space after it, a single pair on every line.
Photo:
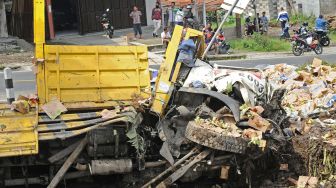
[15,53]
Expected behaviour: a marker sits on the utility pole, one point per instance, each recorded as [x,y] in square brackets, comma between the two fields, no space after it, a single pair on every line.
[238,26]
[255,14]
[219,28]
[204,13]
[3,21]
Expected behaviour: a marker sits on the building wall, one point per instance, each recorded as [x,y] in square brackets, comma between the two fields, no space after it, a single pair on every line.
[150,4]
[271,7]
[328,7]
[309,7]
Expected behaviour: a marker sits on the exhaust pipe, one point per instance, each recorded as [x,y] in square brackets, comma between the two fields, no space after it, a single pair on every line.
[107,167]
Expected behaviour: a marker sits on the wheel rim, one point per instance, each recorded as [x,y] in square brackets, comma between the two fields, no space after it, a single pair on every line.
[296,50]
[325,42]
[318,49]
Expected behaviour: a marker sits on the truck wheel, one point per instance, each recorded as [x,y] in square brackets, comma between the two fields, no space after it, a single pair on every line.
[213,139]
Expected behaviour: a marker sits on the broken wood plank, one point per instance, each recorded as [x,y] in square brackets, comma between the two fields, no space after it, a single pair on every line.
[58,177]
[63,153]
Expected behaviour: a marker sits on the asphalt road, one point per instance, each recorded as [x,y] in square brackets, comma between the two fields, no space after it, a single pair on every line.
[292,60]
[24,81]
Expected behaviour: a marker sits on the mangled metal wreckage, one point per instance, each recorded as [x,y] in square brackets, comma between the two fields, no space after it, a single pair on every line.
[201,122]
[188,124]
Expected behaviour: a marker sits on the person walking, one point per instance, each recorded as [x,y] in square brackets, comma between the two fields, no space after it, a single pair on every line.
[156,17]
[135,15]
[283,17]
[264,23]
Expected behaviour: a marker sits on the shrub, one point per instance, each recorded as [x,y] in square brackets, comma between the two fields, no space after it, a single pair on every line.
[260,43]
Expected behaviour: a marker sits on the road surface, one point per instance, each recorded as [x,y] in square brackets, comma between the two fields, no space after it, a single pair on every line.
[24,81]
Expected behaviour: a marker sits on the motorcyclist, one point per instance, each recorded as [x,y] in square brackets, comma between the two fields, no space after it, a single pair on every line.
[304,33]
[320,24]
[321,30]
[304,29]
[189,16]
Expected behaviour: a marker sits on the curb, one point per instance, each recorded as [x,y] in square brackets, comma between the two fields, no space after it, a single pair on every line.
[225,57]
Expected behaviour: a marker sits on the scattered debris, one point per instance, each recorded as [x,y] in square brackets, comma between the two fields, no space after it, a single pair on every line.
[21,106]
[308,182]
[53,109]
[332,22]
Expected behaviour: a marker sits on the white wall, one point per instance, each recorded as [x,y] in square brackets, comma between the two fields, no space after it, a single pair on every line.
[309,7]
[150,4]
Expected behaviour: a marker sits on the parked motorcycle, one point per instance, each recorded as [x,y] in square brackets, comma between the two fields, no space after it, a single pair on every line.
[323,38]
[305,43]
[106,23]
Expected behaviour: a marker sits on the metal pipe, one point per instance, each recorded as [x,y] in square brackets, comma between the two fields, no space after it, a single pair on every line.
[192,152]
[204,13]
[219,28]
[155,164]
[8,76]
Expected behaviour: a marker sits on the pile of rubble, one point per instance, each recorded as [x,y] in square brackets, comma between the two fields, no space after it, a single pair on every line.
[293,106]
[332,22]
[310,107]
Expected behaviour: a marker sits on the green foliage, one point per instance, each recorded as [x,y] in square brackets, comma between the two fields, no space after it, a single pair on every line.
[260,43]
[332,36]
[136,140]
[298,19]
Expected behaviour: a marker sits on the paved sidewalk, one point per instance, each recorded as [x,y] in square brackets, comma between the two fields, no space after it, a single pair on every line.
[99,38]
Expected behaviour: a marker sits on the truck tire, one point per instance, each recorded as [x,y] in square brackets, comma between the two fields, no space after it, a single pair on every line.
[212,139]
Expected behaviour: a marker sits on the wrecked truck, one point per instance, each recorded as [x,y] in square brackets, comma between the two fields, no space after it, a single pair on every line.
[96,117]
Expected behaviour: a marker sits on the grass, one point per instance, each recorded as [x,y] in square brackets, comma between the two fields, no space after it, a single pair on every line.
[230,22]
[259,43]
[332,36]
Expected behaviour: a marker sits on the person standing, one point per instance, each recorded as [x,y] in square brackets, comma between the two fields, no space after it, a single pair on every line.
[257,19]
[264,23]
[135,15]
[171,14]
[179,17]
[156,17]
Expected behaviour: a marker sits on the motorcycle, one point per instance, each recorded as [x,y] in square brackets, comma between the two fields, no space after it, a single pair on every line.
[322,36]
[306,43]
[106,23]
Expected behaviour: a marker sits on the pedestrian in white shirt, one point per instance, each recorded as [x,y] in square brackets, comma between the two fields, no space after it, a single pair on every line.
[179,17]
[165,36]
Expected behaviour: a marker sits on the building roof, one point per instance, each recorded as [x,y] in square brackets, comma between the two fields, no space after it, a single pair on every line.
[210,4]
